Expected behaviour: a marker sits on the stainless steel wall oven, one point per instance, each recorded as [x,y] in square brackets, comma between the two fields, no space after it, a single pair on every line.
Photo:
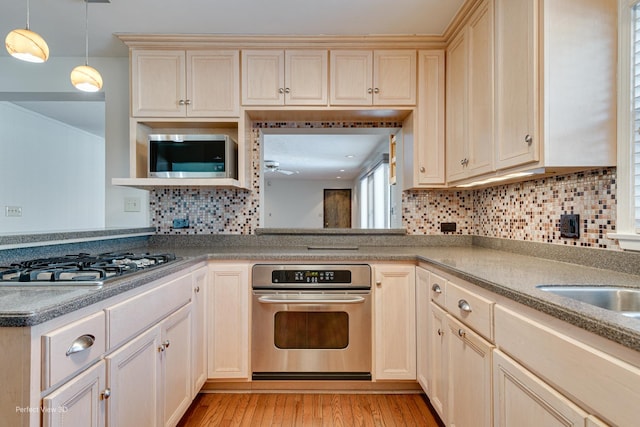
[311,322]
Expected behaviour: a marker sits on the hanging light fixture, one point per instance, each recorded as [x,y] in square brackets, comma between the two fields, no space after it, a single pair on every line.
[26,45]
[84,77]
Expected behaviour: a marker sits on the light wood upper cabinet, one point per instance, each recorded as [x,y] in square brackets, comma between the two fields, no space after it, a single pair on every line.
[555,96]
[423,161]
[178,83]
[380,77]
[279,77]
[470,97]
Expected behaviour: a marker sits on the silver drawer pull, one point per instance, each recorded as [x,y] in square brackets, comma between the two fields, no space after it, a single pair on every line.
[81,343]
[464,306]
[436,288]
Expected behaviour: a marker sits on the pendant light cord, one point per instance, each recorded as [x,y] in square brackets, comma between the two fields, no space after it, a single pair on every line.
[28,14]
[86,32]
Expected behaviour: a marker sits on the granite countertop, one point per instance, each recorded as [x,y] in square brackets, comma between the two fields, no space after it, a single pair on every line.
[511,275]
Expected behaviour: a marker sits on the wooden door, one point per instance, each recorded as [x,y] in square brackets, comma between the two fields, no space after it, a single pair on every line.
[516,82]
[176,361]
[522,399]
[394,77]
[158,83]
[422,328]
[351,77]
[469,387]
[456,135]
[199,330]
[79,402]
[438,360]
[133,374]
[263,77]
[337,208]
[306,77]
[213,83]
[395,322]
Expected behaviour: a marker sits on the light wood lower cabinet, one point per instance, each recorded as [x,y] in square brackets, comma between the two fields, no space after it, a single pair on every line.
[521,399]
[438,361]
[469,382]
[422,328]
[150,377]
[395,322]
[228,296]
[199,330]
[79,403]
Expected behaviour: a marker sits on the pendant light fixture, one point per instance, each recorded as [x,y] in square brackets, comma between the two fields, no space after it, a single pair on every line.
[26,45]
[84,77]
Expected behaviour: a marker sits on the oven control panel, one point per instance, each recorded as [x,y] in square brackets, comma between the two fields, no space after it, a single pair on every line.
[310,276]
[301,276]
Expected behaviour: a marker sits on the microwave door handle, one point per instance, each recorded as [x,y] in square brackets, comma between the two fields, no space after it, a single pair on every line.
[275,299]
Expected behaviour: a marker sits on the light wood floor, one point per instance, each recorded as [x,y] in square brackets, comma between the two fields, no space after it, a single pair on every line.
[298,409]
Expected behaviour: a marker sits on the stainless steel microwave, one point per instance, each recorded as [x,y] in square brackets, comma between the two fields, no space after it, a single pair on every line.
[192,156]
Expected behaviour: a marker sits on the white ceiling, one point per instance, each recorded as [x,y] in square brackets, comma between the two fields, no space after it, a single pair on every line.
[62,22]
[324,154]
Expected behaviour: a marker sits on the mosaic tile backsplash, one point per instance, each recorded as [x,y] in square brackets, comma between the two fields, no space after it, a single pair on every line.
[528,211]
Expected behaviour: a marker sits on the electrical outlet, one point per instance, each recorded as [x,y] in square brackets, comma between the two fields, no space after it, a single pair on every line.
[132,204]
[14,211]
[180,223]
[570,226]
[447,227]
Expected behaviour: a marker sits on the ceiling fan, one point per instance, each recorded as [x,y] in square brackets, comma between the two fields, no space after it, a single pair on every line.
[273,166]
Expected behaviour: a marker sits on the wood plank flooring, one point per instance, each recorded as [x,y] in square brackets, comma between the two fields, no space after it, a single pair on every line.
[306,409]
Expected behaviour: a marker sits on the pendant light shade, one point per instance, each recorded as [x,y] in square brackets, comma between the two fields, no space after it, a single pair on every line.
[84,77]
[26,45]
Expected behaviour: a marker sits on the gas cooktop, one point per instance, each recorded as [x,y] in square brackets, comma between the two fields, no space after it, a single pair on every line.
[79,269]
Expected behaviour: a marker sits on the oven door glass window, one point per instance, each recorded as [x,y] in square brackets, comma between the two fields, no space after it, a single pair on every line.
[311,330]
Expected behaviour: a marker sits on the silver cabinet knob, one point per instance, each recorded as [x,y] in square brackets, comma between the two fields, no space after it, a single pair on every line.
[422,169]
[281,90]
[379,283]
[440,332]
[166,344]
[197,289]
[181,102]
[105,394]
[461,332]
[528,139]
[464,306]
[287,90]
[376,90]
[436,288]
[187,102]
[370,90]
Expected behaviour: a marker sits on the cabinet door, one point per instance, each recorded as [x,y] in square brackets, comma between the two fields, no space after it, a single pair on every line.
[158,83]
[422,328]
[133,374]
[522,399]
[395,322]
[263,77]
[394,77]
[480,97]
[306,77]
[228,321]
[457,54]
[351,77]
[199,330]
[469,395]
[213,83]
[176,359]
[430,141]
[438,360]
[79,402]
[517,138]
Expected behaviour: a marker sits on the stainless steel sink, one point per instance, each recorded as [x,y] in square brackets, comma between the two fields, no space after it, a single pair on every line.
[626,301]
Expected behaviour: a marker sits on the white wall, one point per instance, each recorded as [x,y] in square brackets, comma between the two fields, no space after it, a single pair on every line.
[298,203]
[53,76]
[41,176]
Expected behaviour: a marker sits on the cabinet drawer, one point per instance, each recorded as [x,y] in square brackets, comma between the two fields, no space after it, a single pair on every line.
[130,317]
[473,310]
[72,347]
[437,286]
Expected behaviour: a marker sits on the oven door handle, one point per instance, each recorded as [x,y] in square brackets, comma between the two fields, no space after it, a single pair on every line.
[291,299]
